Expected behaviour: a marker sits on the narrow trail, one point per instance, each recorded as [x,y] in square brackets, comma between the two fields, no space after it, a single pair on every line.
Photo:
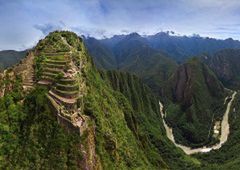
[2,91]
[224,131]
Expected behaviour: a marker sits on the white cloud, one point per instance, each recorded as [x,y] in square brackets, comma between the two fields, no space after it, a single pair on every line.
[24,22]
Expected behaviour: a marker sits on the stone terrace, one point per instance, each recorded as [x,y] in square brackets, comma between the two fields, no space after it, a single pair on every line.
[64,93]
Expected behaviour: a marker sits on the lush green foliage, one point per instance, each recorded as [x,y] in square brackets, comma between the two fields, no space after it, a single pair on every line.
[198,98]
[228,156]
[225,64]
[115,142]
[129,133]
[31,138]
[59,41]
[39,66]
[146,123]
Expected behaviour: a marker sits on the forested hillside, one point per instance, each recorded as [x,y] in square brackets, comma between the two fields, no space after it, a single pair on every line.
[225,64]
[114,119]
[196,100]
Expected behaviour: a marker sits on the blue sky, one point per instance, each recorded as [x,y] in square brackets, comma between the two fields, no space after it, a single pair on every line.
[24,22]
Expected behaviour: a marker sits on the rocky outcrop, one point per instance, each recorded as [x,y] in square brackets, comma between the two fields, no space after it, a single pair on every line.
[188,78]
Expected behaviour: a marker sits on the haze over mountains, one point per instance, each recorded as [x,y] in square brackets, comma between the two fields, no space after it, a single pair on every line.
[153,58]
[178,48]
[10,57]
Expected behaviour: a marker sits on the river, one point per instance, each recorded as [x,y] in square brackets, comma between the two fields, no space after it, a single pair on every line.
[224,131]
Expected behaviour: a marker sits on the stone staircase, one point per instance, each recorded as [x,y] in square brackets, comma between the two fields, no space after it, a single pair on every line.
[64,93]
[28,75]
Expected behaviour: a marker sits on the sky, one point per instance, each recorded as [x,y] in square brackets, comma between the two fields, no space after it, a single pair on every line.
[24,22]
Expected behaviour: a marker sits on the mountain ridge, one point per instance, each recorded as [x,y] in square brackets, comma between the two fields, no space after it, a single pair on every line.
[118,115]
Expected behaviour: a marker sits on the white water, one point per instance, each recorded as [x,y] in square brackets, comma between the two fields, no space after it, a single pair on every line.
[224,131]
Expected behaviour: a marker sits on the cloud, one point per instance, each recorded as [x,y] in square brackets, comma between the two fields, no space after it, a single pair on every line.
[124,31]
[100,18]
[49,27]
[91,32]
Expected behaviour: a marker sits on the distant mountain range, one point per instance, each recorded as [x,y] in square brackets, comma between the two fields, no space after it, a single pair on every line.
[179,48]
[133,54]
[10,57]
[193,85]
[152,58]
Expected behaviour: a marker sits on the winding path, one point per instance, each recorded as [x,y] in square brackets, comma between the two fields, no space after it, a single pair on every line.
[224,131]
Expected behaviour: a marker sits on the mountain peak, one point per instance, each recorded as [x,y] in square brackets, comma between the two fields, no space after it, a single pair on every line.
[133,35]
[59,41]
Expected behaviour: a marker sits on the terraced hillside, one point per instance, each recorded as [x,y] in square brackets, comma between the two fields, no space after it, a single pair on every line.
[61,73]
[119,123]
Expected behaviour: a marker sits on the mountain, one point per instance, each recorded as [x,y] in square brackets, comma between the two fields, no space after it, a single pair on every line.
[10,57]
[225,64]
[103,57]
[132,54]
[58,112]
[148,127]
[152,58]
[179,48]
[197,97]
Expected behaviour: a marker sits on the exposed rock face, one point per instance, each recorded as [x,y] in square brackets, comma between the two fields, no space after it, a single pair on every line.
[196,91]
[182,90]
[185,82]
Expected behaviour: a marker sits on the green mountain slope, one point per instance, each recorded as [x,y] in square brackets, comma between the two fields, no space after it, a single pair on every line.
[31,138]
[227,157]
[148,127]
[59,112]
[132,54]
[115,144]
[40,116]
[197,97]
[103,57]
[225,64]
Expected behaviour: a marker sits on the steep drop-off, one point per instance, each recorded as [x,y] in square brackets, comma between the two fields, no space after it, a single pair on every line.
[197,97]
[57,112]
[148,127]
